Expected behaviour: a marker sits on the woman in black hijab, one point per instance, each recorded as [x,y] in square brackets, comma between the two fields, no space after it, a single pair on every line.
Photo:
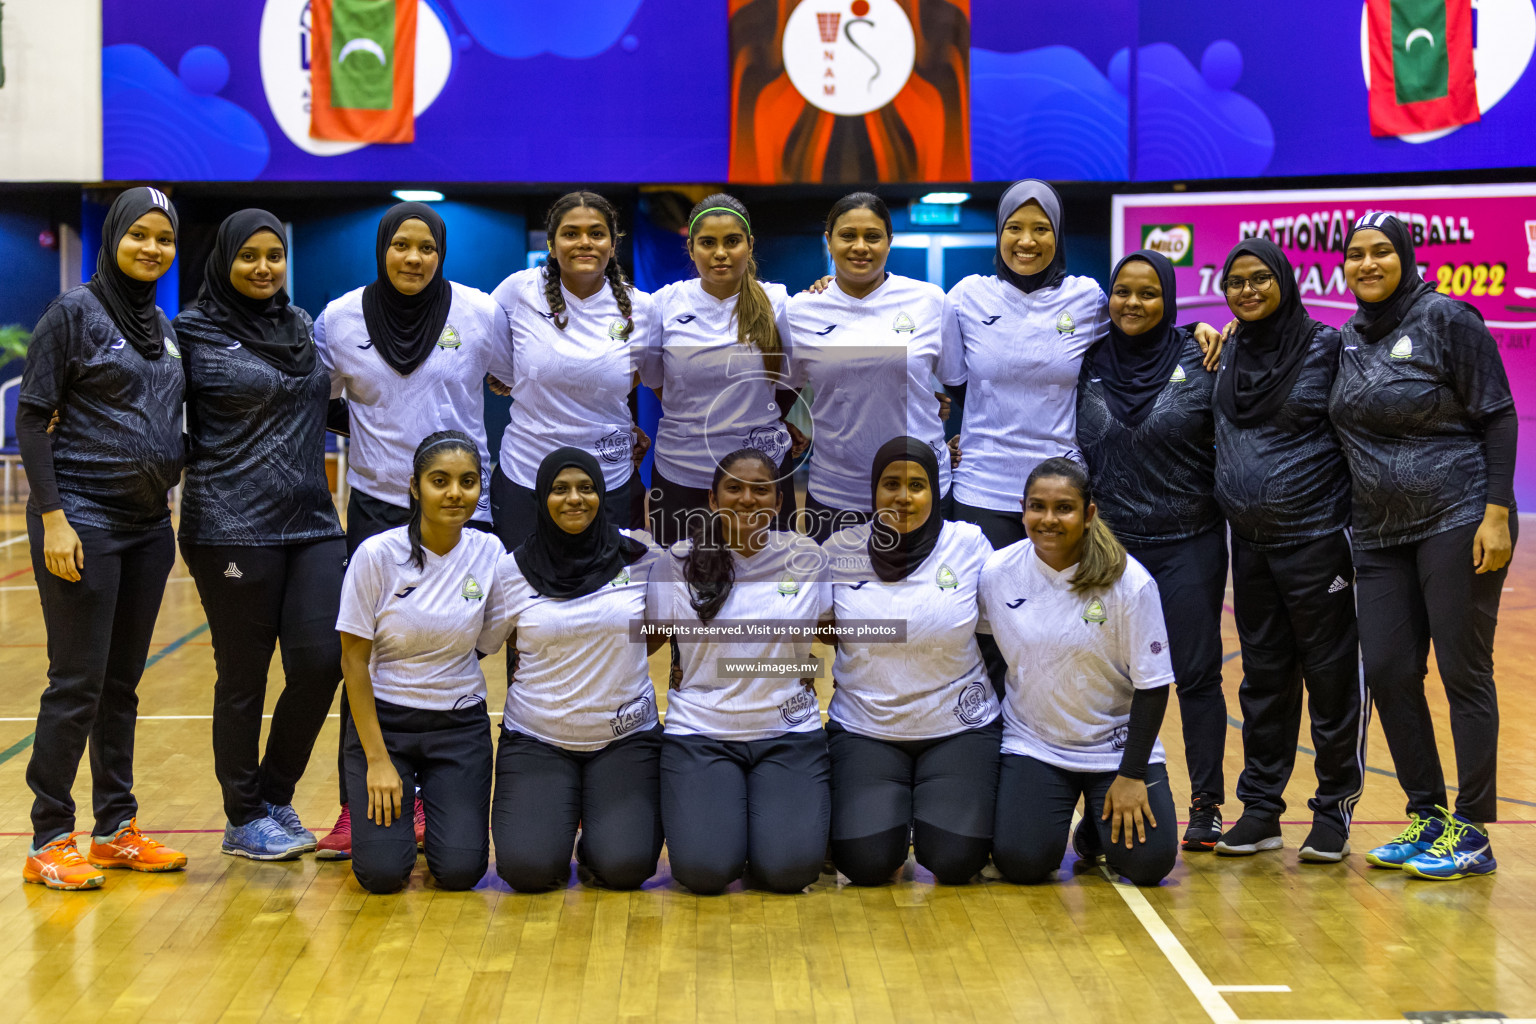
[106,359]
[1283,485]
[410,350]
[580,737]
[1145,426]
[913,727]
[1423,409]
[258,527]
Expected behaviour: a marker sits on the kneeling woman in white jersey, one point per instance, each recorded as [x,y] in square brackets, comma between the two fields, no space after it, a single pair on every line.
[869,346]
[580,741]
[1081,627]
[417,604]
[744,768]
[913,726]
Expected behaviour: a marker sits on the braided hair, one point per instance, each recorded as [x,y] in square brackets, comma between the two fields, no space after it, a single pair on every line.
[431,447]
[612,271]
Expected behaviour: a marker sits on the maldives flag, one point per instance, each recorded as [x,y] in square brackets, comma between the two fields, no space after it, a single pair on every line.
[1422,77]
[362,70]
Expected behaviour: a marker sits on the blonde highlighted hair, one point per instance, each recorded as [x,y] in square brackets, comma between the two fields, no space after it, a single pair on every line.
[754,312]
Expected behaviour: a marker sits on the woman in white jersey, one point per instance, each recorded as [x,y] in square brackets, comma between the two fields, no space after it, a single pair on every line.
[744,768]
[913,725]
[417,602]
[580,740]
[410,352]
[718,370]
[869,346]
[578,329]
[1082,629]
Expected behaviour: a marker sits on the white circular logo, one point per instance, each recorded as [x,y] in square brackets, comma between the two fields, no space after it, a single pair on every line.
[849,57]
[284,57]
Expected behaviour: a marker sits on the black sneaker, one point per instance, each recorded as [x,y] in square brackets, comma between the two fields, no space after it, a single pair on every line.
[1250,835]
[1204,826]
[1325,845]
[1085,841]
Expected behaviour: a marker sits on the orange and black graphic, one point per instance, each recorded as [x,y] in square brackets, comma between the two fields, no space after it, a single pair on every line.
[850,90]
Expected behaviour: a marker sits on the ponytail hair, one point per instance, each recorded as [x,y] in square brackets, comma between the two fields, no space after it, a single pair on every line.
[754,313]
[427,452]
[860,201]
[1103,558]
[613,272]
[709,570]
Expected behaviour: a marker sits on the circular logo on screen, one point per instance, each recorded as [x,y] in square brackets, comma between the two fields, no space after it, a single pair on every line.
[849,57]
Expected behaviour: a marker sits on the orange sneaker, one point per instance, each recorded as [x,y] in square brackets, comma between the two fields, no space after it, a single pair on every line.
[58,865]
[132,849]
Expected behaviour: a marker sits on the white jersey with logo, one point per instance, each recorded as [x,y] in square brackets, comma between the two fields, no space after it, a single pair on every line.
[935,683]
[871,363]
[391,412]
[1074,658]
[716,394]
[787,579]
[579,683]
[426,624]
[1022,355]
[571,387]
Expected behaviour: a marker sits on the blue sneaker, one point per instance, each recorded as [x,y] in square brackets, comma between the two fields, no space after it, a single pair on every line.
[1417,838]
[1463,849]
[262,839]
[286,816]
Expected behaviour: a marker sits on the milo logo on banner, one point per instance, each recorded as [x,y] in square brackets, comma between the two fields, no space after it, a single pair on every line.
[1176,241]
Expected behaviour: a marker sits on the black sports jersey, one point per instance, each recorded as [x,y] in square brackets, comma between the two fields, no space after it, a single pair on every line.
[118,447]
[1285,481]
[1409,411]
[1156,481]
[256,457]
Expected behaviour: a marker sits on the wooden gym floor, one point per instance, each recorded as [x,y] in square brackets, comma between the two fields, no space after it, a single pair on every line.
[1222,940]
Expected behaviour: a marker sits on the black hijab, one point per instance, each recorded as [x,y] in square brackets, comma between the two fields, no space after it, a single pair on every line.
[270,328]
[1375,320]
[405,327]
[1019,193]
[130,303]
[560,564]
[1134,370]
[894,555]
[1267,354]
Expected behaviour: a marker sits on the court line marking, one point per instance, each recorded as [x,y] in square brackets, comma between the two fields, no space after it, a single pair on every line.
[1205,993]
[1252,988]
[14,540]
[33,586]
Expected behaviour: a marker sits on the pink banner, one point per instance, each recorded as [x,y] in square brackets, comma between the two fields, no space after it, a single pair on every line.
[1474,242]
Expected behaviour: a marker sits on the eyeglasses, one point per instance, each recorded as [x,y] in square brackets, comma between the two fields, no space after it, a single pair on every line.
[1260,282]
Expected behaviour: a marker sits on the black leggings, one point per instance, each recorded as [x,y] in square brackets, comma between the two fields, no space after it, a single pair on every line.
[447,754]
[943,790]
[1191,580]
[256,598]
[759,807]
[1413,595]
[1295,611]
[1035,801]
[543,792]
[98,640]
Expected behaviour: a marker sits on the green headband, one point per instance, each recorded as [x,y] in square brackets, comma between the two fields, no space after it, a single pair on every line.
[719,209]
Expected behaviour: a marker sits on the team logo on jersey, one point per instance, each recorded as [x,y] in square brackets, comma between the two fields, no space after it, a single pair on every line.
[1119,736]
[971,705]
[788,585]
[946,578]
[1017,601]
[994,318]
[903,324]
[407,592]
[1403,349]
[170,346]
[618,328]
[614,446]
[1065,324]
[1157,647]
[799,708]
[622,579]
[632,714]
[469,700]
[1179,376]
[686,318]
[771,441]
[450,337]
[118,344]
[1095,612]
[826,330]
[471,590]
